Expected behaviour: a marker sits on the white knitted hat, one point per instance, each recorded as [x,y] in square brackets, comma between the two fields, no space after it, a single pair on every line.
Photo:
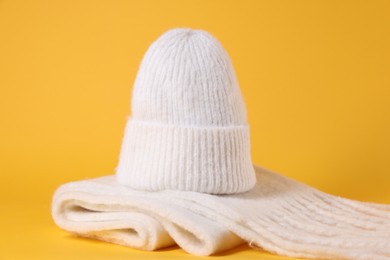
[188,129]
[185,174]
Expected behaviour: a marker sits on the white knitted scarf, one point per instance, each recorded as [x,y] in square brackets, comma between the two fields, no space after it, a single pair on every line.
[185,174]
[279,215]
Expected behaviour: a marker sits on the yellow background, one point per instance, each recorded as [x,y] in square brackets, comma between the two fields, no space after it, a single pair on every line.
[314,74]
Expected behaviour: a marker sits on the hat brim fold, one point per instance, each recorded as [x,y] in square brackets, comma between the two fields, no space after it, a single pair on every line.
[279,215]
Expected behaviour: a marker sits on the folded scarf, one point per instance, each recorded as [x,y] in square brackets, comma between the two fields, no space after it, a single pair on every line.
[279,215]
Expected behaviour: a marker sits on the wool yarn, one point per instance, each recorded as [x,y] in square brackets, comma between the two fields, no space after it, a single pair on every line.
[185,174]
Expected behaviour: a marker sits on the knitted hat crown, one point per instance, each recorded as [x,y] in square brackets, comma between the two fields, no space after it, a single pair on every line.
[188,129]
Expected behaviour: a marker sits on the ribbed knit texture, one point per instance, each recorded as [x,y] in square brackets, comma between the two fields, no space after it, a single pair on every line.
[188,129]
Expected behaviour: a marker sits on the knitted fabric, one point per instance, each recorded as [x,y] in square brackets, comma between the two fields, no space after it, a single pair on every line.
[188,129]
[185,175]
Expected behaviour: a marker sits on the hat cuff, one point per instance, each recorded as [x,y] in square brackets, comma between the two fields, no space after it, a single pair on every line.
[213,159]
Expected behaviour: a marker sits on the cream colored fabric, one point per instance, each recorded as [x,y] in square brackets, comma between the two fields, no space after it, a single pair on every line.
[278,215]
[185,174]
